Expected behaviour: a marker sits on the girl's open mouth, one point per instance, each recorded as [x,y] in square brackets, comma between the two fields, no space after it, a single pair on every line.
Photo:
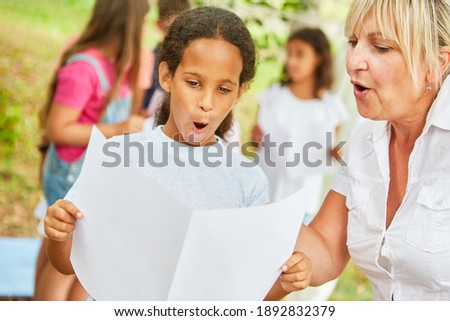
[199,126]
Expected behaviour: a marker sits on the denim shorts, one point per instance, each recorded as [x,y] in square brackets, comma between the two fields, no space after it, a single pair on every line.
[58,176]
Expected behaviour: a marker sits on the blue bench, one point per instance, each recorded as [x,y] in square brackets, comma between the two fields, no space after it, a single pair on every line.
[17,267]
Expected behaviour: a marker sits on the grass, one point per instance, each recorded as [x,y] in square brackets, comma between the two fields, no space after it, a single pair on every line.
[32,34]
[352,285]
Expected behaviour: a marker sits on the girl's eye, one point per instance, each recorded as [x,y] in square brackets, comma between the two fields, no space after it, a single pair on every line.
[193,83]
[299,54]
[224,90]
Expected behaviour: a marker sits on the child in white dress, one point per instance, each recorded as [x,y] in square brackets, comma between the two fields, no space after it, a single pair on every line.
[302,112]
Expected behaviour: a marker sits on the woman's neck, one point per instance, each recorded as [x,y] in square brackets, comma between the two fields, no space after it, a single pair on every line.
[406,133]
[410,127]
[304,89]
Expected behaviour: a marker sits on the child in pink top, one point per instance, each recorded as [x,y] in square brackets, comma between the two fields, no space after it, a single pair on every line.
[95,83]
[83,87]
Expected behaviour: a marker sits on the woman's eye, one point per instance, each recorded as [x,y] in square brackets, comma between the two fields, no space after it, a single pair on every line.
[352,42]
[224,90]
[193,83]
[382,49]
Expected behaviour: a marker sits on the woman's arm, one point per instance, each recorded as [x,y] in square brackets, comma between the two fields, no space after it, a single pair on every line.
[324,243]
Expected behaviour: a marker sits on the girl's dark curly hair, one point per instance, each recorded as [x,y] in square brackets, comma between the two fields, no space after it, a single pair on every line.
[209,23]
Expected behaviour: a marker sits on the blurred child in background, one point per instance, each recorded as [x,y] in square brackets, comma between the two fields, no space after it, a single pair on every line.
[300,110]
[95,83]
[168,11]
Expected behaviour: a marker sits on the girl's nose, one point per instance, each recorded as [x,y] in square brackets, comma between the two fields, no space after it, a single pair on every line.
[205,108]
[206,103]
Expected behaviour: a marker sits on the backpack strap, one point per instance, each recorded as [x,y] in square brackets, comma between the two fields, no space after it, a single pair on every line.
[94,63]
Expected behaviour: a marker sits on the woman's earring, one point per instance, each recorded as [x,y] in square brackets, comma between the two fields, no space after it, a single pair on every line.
[429,87]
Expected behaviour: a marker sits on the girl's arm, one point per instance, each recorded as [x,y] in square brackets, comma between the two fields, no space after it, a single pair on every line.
[138,101]
[63,126]
[257,133]
[257,136]
[324,243]
[59,226]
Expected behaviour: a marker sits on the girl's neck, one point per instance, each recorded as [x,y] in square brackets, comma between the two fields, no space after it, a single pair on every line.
[304,89]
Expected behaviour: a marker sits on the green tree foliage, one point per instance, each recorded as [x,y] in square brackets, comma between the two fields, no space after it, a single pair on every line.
[288,5]
[10,116]
[268,20]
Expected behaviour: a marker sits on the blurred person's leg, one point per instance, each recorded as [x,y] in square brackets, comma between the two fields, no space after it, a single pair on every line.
[41,261]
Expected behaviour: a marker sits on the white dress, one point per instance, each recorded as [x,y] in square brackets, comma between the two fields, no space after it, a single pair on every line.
[305,124]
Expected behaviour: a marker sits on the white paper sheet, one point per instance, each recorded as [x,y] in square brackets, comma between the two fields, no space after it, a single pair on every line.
[136,245]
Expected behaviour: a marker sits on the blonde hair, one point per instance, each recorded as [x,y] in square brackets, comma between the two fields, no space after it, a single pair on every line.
[111,20]
[419,27]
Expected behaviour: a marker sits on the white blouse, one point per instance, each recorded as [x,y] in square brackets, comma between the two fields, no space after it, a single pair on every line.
[411,259]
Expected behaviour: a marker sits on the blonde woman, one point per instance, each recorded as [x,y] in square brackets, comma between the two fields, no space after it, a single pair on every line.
[389,209]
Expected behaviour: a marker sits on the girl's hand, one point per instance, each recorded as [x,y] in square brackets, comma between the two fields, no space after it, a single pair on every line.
[133,124]
[60,220]
[297,273]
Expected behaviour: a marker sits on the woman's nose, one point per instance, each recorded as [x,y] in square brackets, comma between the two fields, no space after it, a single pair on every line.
[356,58]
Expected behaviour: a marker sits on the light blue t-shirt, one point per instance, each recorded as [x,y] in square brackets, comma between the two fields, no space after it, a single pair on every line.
[207,177]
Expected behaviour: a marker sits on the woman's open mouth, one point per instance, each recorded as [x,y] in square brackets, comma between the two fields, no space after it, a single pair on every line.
[359,90]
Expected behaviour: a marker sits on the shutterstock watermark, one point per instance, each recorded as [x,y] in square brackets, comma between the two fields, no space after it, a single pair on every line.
[311,154]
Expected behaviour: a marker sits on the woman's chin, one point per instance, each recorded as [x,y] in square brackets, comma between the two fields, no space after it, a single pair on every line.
[366,112]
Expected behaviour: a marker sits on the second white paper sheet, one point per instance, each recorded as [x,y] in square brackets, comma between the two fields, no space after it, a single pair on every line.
[236,254]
